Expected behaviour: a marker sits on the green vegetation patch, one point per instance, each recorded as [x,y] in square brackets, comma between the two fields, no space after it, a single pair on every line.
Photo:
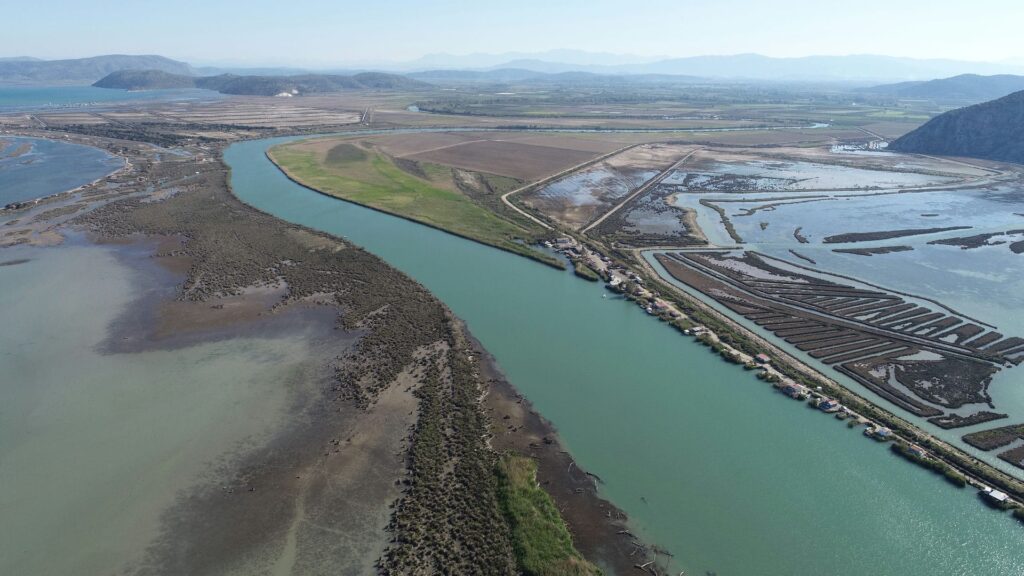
[375,180]
[542,543]
[345,153]
[585,272]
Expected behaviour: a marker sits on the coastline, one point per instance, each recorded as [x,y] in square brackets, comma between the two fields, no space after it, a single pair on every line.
[13,206]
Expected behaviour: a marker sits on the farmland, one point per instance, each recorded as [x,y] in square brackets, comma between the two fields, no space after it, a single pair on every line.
[426,193]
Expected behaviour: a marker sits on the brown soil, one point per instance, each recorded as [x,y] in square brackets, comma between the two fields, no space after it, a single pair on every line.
[512,159]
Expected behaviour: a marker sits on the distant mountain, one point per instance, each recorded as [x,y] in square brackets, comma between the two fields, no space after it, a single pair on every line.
[255,71]
[260,85]
[830,68]
[570,58]
[963,88]
[862,69]
[20,59]
[83,70]
[499,76]
[520,76]
[992,130]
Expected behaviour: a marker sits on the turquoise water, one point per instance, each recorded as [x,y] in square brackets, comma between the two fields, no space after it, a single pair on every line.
[14,98]
[48,167]
[709,463]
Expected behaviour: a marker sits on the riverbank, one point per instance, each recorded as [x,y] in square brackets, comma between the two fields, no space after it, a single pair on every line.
[343,463]
[635,277]
[608,376]
[600,530]
[784,367]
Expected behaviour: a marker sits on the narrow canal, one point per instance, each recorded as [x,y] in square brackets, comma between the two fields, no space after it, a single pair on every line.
[709,463]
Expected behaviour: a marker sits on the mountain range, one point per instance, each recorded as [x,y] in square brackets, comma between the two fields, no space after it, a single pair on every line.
[970,88]
[859,69]
[852,68]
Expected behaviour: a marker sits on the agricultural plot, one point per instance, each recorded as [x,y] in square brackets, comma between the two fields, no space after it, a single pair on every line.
[177,122]
[454,200]
[579,198]
[515,160]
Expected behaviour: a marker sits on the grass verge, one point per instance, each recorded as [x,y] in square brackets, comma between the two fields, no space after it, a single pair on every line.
[540,539]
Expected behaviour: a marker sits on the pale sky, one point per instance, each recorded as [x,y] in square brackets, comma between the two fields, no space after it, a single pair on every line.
[323,32]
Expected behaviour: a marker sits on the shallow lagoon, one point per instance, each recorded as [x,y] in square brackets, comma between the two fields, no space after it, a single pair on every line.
[94,446]
[41,97]
[35,167]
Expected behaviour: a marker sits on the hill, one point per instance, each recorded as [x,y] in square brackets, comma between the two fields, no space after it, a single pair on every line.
[992,130]
[260,85]
[145,80]
[83,70]
[970,88]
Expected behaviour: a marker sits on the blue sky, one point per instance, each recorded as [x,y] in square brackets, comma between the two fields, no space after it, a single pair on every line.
[322,32]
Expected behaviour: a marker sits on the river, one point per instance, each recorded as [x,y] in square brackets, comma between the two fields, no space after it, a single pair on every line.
[707,461]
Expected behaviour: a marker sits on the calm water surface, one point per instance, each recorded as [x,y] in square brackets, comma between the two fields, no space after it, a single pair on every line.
[93,446]
[13,98]
[35,167]
[707,461]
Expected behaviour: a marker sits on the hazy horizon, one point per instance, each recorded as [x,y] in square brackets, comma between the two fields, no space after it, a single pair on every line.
[317,33]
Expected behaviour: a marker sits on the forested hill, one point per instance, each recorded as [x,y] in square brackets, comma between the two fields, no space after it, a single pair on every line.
[991,130]
[145,80]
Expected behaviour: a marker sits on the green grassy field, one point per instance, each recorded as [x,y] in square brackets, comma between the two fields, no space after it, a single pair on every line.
[373,179]
[542,543]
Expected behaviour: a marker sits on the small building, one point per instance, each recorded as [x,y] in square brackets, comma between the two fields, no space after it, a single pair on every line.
[879,433]
[794,390]
[995,495]
[762,359]
[828,405]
